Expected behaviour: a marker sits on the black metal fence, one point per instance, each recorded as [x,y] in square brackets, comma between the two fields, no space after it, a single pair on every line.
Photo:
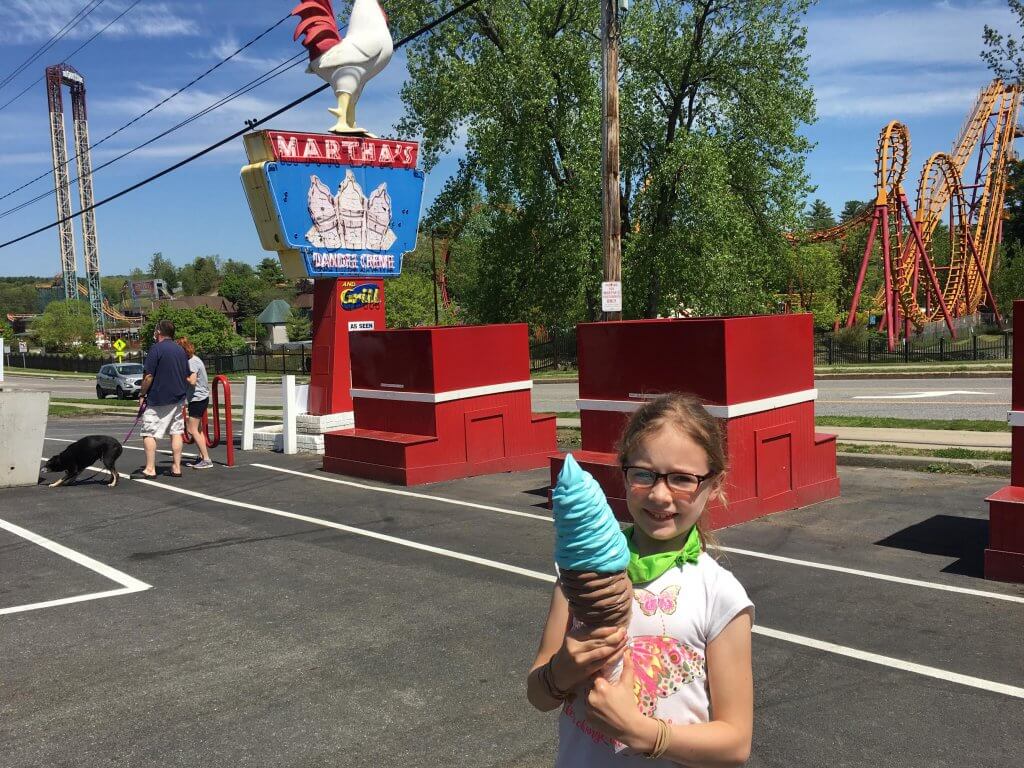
[828,351]
[559,351]
[293,361]
[67,363]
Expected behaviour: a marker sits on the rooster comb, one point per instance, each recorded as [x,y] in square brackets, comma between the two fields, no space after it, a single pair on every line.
[317,23]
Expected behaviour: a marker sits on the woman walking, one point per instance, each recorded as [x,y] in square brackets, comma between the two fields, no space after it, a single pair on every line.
[198,400]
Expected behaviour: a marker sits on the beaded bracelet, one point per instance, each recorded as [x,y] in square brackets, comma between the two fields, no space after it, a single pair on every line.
[662,740]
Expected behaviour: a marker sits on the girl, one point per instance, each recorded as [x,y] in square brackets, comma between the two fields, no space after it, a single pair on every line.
[688,642]
[198,400]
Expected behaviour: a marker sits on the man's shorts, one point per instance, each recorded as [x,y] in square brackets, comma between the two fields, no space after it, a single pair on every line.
[160,420]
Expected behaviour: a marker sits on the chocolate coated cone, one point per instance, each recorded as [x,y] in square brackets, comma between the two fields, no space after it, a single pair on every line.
[598,599]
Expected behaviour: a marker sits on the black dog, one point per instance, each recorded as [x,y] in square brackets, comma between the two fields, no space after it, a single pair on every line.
[82,454]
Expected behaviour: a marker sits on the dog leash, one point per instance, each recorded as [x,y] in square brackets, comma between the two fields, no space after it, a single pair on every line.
[142,408]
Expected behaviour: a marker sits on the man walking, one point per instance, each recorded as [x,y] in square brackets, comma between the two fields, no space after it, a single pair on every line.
[164,388]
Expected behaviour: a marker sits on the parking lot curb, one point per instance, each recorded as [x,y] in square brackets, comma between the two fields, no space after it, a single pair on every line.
[923,463]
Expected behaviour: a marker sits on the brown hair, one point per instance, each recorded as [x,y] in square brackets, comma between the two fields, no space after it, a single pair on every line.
[188,346]
[165,328]
[687,414]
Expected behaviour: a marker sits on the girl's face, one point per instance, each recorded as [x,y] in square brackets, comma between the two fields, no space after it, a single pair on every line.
[663,519]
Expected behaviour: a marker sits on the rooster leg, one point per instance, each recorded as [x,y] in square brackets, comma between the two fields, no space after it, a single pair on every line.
[342,113]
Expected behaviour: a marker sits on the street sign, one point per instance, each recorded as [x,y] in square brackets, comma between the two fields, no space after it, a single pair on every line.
[611,296]
[22,347]
[119,345]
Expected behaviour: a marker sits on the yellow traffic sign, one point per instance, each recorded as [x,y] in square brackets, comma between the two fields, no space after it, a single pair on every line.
[119,345]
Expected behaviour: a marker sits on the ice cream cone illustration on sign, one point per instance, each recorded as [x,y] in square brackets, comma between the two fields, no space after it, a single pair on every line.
[351,204]
[379,236]
[347,64]
[324,233]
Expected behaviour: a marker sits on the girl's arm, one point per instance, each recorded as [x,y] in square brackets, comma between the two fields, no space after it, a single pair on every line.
[192,379]
[725,741]
[574,656]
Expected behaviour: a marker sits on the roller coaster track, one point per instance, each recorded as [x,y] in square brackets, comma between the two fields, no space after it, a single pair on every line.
[974,210]
[109,311]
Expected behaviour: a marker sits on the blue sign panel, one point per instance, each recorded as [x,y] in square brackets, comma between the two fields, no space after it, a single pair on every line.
[346,221]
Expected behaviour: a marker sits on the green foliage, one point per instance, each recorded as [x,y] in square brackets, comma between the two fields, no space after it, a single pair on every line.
[20,298]
[245,290]
[854,337]
[6,331]
[201,276]
[1005,54]
[1008,277]
[712,99]
[818,216]
[299,328]
[270,272]
[64,326]
[162,269]
[208,329]
[1013,227]
[814,274]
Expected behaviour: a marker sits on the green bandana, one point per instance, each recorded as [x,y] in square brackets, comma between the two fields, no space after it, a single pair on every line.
[644,569]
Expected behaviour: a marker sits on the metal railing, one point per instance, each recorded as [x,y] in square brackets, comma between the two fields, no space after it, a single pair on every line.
[828,351]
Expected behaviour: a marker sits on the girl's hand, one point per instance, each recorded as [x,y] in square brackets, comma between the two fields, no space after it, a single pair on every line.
[612,707]
[584,652]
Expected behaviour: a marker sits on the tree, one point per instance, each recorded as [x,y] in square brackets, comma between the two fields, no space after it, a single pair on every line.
[1008,277]
[270,272]
[299,327]
[1005,54]
[201,276]
[6,331]
[64,326]
[245,291]
[1013,227]
[814,274]
[208,329]
[712,97]
[21,299]
[852,209]
[162,269]
[819,216]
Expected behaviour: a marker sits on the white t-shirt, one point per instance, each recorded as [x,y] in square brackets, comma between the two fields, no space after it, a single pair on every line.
[201,390]
[674,618]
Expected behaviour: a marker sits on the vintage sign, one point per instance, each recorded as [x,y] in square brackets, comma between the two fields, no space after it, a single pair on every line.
[353,296]
[334,206]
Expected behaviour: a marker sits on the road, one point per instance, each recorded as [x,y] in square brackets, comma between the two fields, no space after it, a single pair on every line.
[902,398]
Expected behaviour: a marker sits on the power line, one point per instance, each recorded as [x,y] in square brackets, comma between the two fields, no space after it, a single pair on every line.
[156,106]
[250,126]
[266,77]
[55,38]
[70,56]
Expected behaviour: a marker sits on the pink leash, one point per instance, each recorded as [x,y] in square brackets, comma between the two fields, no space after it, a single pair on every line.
[142,408]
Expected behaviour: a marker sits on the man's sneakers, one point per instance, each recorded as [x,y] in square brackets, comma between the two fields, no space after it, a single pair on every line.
[202,464]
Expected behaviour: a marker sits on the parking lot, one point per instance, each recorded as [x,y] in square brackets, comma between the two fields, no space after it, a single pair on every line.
[270,614]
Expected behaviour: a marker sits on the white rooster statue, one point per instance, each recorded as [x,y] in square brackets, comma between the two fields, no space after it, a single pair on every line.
[345,64]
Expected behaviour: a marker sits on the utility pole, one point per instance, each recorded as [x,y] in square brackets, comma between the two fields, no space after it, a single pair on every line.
[611,222]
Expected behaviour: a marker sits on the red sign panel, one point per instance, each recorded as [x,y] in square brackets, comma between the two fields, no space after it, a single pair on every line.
[291,147]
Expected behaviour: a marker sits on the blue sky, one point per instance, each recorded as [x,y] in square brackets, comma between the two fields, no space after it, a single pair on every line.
[870,62]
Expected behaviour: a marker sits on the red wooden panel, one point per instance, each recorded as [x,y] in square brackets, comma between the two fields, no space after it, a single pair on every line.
[400,357]
[485,436]
[768,355]
[477,355]
[774,462]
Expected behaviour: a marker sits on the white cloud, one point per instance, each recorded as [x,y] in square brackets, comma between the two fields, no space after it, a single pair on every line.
[941,33]
[34,21]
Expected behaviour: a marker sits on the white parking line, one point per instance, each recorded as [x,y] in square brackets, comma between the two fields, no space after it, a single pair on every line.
[129,584]
[731,550]
[809,642]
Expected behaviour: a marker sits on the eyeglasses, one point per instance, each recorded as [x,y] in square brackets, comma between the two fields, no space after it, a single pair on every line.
[680,484]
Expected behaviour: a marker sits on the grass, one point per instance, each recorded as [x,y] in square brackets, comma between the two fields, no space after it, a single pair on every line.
[937,453]
[69,411]
[891,422]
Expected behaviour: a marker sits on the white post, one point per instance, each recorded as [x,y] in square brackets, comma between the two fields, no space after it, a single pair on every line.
[249,413]
[288,396]
[2,359]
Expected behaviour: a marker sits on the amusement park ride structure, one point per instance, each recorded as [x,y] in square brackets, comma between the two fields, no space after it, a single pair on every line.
[967,188]
[58,76]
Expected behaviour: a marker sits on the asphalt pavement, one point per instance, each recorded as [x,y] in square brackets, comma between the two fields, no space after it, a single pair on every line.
[274,615]
[923,398]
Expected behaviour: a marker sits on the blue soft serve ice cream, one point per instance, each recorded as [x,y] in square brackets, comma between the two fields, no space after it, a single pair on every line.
[590,550]
[587,536]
